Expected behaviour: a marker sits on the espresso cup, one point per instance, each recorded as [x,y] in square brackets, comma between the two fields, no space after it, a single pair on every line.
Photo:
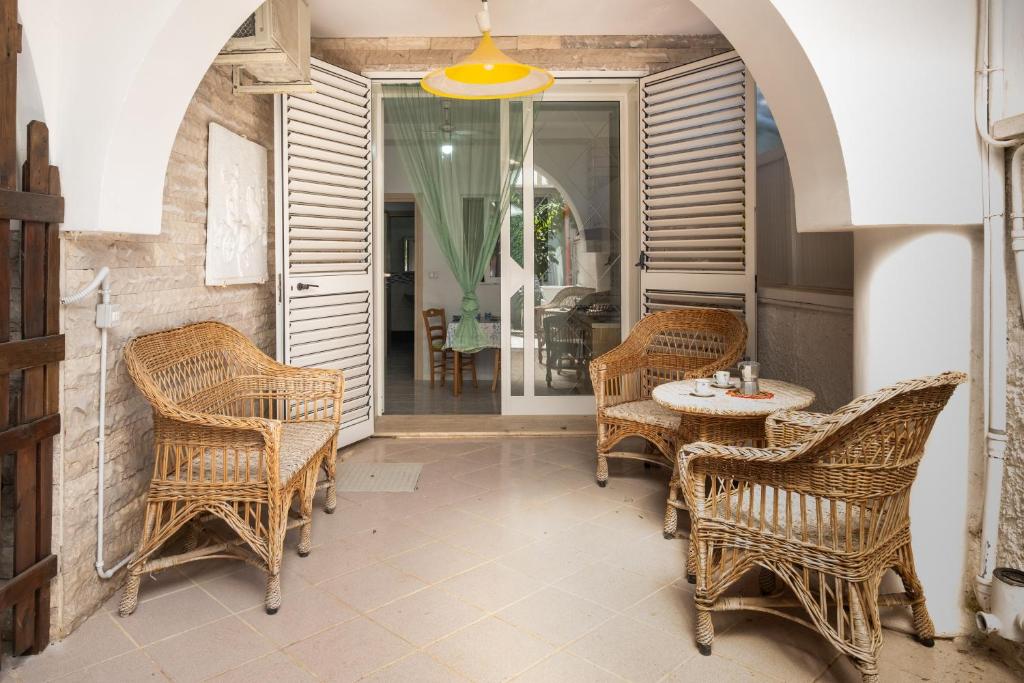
[702,386]
[722,377]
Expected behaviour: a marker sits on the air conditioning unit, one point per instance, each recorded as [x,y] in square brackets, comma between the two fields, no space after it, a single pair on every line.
[269,52]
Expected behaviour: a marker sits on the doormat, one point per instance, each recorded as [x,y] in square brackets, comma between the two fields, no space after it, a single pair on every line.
[383,477]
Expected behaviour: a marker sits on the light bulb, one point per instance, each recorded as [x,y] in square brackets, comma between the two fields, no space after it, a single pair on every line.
[446,149]
[488,67]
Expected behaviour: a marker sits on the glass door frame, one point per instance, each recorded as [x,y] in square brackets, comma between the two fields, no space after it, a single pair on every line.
[514,276]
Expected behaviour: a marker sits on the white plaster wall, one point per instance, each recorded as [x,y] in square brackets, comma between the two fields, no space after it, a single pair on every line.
[917,311]
[873,99]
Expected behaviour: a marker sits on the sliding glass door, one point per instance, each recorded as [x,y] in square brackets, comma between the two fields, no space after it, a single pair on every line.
[562,257]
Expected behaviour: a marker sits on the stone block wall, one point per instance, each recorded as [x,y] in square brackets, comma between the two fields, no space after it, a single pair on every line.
[647,54]
[158,282]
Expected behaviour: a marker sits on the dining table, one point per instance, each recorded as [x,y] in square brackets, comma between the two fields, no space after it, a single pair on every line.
[492,340]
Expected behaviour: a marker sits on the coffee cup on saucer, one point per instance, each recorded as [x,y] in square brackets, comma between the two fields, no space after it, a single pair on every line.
[722,378]
[702,387]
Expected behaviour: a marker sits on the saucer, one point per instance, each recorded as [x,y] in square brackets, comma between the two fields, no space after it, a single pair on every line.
[707,395]
[722,386]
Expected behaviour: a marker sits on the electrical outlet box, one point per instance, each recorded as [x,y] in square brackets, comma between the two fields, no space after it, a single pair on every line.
[107,315]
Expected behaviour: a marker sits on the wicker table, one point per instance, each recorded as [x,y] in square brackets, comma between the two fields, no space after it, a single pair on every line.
[723,419]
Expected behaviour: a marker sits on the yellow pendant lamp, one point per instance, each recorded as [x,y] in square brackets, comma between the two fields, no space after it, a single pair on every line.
[487,73]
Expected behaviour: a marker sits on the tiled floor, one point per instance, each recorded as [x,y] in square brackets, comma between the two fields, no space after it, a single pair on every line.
[507,563]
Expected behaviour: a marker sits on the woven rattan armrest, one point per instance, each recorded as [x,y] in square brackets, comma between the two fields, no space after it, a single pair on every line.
[790,426]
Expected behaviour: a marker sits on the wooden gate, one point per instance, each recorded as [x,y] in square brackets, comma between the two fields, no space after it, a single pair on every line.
[29,409]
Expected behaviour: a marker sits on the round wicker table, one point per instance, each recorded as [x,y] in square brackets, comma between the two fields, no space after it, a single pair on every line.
[723,419]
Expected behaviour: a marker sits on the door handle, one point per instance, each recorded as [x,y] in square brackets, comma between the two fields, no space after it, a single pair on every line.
[302,286]
[642,263]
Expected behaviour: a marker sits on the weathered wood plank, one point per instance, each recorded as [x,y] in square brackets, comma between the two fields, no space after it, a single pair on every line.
[28,353]
[23,436]
[31,206]
[28,488]
[23,585]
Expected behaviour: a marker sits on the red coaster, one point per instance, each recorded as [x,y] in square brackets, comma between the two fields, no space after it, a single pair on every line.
[759,395]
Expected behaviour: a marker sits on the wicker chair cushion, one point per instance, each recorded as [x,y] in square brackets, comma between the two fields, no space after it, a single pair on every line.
[300,441]
[645,412]
[747,513]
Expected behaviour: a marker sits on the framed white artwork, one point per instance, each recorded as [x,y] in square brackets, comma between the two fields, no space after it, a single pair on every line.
[237,212]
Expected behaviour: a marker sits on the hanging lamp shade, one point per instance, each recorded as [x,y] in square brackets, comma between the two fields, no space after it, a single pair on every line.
[487,73]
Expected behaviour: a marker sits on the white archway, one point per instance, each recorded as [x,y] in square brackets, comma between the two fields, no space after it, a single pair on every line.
[115,79]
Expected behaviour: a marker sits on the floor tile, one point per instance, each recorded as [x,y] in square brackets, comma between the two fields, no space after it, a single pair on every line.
[301,615]
[565,667]
[539,522]
[490,540]
[653,556]
[435,562]
[671,609]
[697,669]
[273,667]
[98,639]
[609,586]
[132,666]
[491,586]
[171,615]
[490,650]
[209,650]
[548,560]
[775,646]
[426,616]
[632,521]
[370,587]
[445,521]
[418,668]
[328,561]
[247,586]
[388,539]
[556,616]
[633,650]
[349,651]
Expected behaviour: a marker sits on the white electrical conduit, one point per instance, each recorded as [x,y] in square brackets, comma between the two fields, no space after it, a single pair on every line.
[101,280]
[988,105]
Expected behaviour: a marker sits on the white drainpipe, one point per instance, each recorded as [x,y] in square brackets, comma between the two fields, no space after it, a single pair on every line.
[106,317]
[988,106]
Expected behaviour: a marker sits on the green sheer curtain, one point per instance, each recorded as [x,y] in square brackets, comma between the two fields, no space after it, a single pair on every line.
[463,178]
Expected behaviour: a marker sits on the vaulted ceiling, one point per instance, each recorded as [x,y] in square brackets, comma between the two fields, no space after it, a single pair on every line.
[359,18]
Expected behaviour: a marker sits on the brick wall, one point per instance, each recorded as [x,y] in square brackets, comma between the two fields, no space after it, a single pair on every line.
[647,54]
[158,281]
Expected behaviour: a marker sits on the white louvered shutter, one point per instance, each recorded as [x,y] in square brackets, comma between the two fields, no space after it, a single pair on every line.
[698,157]
[325,292]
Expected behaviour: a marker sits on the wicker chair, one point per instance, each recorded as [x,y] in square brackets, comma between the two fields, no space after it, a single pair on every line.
[663,347]
[561,302]
[236,437]
[825,507]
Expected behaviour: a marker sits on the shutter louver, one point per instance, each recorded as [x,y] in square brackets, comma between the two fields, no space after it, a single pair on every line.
[697,162]
[326,251]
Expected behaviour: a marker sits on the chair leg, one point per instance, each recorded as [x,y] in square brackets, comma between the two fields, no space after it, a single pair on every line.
[497,369]
[277,524]
[130,597]
[272,601]
[306,510]
[433,366]
[602,469]
[705,627]
[907,572]
[671,511]
[330,467]
[472,369]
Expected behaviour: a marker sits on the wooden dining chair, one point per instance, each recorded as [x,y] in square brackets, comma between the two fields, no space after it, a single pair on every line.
[435,323]
[442,359]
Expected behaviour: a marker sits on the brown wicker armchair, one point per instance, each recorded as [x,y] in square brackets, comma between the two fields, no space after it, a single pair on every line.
[236,437]
[825,507]
[663,347]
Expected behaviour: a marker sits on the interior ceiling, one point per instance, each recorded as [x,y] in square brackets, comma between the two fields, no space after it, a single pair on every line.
[358,19]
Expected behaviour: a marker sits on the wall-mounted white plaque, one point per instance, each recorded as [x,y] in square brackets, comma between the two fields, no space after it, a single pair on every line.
[236,209]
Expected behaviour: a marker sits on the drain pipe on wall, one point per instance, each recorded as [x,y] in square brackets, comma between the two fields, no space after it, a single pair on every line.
[988,107]
[107,316]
